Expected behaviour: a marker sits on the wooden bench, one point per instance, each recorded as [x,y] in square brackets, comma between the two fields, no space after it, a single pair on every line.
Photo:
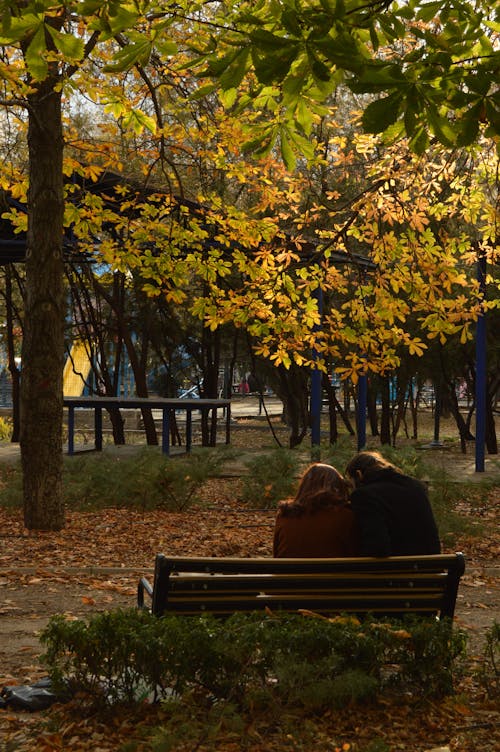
[424,585]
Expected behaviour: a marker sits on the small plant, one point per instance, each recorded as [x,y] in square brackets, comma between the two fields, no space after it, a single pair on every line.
[178,482]
[488,673]
[270,478]
[5,429]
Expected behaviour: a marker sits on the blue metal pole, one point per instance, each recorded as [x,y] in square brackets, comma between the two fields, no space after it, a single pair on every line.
[361,416]
[316,391]
[481,371]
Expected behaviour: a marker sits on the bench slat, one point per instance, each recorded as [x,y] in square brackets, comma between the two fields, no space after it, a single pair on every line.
[436,562]
[319,604]
[364,583]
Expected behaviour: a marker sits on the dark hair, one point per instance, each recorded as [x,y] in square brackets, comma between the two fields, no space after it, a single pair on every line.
[365,465]
[321,486]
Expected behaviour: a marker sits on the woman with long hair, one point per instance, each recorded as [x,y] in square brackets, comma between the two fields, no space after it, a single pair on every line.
[392,510]
[318,522]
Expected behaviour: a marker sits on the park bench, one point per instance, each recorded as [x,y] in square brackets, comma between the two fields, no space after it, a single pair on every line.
[399,585]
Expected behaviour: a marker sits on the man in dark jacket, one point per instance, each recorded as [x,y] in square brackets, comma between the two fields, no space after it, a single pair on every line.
[392,510]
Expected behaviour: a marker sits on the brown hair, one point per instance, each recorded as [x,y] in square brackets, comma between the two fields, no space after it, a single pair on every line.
[364,465]
[321,485]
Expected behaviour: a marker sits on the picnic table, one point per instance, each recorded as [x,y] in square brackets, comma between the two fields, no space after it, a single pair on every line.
[166,405]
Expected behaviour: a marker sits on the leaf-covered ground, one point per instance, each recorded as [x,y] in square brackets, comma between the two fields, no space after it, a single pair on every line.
[95,563]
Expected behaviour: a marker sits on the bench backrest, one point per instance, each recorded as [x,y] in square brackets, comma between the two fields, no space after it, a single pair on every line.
[425,585]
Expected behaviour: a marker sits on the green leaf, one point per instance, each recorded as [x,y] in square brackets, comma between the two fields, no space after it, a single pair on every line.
[228,97]
[272,68]
[429,11]
[137,53]
[233,75]
[17,29]
[320,70]
[203,91]
[123,19]
[35,55]
[469,126]
[440,126]
[382,113]
[377,77]
[419,141]
[167,47]
[265,40]
[304,116]
[71,47]
[374,38]
[287,152]
[138,120]
[291,23]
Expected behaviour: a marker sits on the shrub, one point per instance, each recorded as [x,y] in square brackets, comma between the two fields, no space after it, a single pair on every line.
[270,478]
[178,482]
[286,660]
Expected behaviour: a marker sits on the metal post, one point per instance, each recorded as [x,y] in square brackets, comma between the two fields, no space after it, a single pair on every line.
[98,428]
[165,430]
[71,429]
[361,416]
[438,399]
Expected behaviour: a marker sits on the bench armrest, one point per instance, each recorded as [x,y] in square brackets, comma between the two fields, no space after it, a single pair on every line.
[143,586]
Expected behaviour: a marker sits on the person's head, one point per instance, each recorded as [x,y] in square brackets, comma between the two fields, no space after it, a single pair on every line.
[364,466]
[321,479]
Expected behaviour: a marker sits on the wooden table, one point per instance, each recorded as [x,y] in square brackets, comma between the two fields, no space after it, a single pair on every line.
[166,405]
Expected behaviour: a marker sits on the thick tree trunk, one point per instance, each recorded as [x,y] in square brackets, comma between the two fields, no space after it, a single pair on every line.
[43,340]
[11,360]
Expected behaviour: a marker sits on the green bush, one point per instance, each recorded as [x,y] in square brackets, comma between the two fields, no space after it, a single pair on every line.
[177,483]
[285,660]
[270,478]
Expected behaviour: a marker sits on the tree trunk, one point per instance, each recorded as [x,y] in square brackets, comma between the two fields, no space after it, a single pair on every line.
[11,359]
[294,393]
[43,340]
[211,352]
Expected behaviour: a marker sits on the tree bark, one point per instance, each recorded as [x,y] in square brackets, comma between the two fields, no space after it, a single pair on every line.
[11,360]
[43,340]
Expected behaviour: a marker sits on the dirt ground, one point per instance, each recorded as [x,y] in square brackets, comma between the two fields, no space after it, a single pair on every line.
[95,563]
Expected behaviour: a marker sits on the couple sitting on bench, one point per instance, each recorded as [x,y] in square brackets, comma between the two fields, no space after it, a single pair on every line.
[387,513]
[375,552]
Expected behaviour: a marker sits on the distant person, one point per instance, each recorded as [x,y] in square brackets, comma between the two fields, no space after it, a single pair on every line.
[318,522]
[244,388]
[392,510]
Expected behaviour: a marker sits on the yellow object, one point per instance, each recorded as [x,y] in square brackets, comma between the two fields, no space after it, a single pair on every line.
[76,370]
